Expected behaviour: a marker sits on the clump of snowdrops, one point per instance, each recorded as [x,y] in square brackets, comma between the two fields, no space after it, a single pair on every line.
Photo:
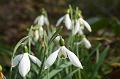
[49,52]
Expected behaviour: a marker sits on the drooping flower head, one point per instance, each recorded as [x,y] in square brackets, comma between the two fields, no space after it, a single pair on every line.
[67,21]
[42,19]
[77,28]
[62,52]
[79,25]
[85,24]
[23,60]
[85,42]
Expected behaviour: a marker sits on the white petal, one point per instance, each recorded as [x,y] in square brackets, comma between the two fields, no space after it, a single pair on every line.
[36,20]
[60,20]
[46,21]
[35,60]
[77,28]
[57,39]
[73,58]
[24,65]
[86,43]
[16,60]
[68,22]
[78,43]
[51,59]
[86,24]
[80,31]
[39,20]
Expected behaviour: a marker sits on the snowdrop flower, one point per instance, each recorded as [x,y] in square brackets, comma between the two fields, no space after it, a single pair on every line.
[41,20]
[66,19]
[77,28]
[24,63]
[84,42]
[62,52]
[82,21]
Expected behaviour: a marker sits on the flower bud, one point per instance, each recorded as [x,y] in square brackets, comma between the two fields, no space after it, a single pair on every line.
[61,42]
[26,49]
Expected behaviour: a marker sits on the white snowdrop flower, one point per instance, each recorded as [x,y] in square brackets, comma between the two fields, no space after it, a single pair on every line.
[63,52]
[77,28]
[85,24]
[41,20]
[84,42]
[24,63]
[66,19]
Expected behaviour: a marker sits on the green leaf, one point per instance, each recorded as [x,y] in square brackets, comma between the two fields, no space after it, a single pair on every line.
[55,71]
[100,61]
[5,49]
[71,74]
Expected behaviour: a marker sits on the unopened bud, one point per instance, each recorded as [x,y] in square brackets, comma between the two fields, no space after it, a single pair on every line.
[61,42]
[26,49]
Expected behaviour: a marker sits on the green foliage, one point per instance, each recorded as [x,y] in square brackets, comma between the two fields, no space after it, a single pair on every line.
[107,24]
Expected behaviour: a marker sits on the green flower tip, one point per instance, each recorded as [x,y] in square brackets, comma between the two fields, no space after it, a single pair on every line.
[62,56]
[43,11]
[0,68]
[26,49]
[80,36]
[79,14]
[61,41]
[68,11]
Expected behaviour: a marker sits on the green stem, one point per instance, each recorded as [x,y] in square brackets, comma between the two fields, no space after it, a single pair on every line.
[29,44]
[29,39]
[42,65]
[77,50]
[48,74]
[24,78]
[79,74]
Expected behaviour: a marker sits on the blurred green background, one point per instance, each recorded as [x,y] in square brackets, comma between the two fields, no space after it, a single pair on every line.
[17,15]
